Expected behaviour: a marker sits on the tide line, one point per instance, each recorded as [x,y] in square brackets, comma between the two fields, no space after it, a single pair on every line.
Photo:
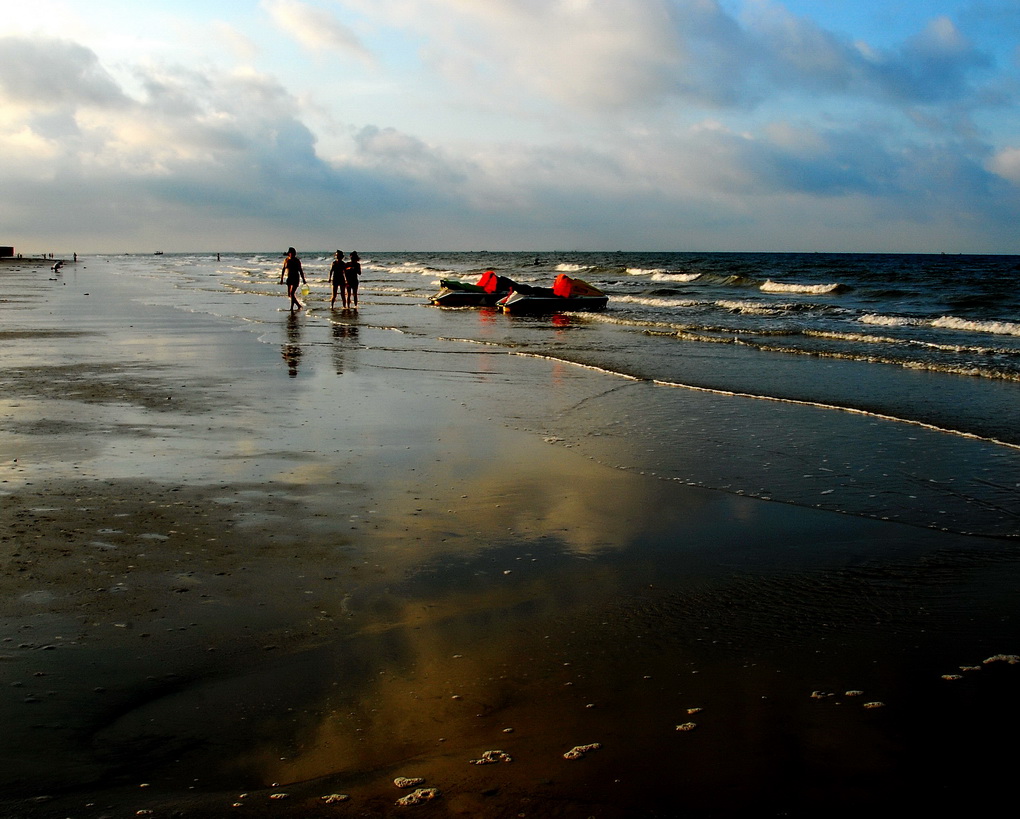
[838,407]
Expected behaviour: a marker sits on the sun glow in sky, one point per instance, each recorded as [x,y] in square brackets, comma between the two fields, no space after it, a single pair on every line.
[843,125]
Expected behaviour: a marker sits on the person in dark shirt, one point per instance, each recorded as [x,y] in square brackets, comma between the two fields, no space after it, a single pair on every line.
[351,274]
[294,275]
[336,278]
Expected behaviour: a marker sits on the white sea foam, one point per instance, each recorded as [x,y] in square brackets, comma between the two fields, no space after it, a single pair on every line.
[571,268]
[644,271]
[859,337]
[1002,328]
[662,276]
[888,321]
[653,301]
[750,307]
[611,318]
[810,289]
[415,268]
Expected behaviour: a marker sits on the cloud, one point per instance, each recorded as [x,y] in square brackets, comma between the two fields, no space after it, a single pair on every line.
[577,53]
[315,29]
[54,73]
[933,66]
[1006,164]
[240,46]
[763,131]
[641,54]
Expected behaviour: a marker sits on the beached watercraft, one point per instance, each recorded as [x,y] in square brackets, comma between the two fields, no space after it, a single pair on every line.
[565,294]
[488,290]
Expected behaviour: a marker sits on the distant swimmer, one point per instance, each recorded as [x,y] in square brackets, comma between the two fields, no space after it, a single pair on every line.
[294,275]
[351,274]
[58,265]
[336,278]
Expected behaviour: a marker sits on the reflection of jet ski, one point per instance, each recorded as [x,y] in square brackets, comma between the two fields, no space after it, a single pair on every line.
[565,294]
[489,289]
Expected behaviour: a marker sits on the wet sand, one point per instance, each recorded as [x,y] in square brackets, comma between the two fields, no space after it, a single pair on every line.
[236,570]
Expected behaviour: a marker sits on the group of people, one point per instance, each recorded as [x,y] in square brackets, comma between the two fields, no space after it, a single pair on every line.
[343,276]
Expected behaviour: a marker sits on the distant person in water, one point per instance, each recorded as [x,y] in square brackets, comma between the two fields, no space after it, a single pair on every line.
[336,278]
[351,274]
[294,275]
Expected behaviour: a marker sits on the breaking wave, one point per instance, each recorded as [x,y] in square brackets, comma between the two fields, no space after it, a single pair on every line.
[770,286]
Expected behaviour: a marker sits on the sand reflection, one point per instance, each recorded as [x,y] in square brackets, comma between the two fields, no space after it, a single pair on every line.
[461,620]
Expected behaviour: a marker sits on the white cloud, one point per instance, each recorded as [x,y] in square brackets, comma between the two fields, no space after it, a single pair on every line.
[1006,163]
[576,53]
[240,46]
[315,28]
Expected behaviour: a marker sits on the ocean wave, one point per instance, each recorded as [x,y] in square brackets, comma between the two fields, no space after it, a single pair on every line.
[770,286]
[566,267]
[414,268]
[889,321]
[862,338]
[662,276]
[1001,328]
[751,307]
[653,301]
[666,328]
[645,271]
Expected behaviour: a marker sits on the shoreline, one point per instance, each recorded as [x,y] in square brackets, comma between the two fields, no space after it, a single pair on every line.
[218,577]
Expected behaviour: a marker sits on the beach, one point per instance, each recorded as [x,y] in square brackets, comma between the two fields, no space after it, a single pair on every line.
[255,559]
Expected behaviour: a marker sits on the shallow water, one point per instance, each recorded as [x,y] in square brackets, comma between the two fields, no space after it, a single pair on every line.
[909,438]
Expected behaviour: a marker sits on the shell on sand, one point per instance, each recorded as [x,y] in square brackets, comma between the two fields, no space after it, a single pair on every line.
[578,751]
[492,757]
[417,797]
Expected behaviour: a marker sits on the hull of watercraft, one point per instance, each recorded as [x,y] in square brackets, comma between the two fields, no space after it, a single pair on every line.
[531,303]
[465,298]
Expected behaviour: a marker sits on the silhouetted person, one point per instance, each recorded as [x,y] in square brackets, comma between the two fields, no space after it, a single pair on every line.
[336,278]
[351,274]
[294,274]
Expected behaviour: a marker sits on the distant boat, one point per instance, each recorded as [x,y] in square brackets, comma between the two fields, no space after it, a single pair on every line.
[158,253]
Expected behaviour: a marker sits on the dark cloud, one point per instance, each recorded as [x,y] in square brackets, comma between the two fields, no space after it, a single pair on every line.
[55,73]
[934,66]
[746,63]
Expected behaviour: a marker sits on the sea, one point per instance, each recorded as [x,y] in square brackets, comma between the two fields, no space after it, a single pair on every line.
[883,385]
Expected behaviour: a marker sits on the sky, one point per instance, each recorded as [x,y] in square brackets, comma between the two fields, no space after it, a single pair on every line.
[674,125]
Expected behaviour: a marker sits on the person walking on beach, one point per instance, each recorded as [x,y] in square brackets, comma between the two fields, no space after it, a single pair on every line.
[294,274]
[336,278]
[351,274]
